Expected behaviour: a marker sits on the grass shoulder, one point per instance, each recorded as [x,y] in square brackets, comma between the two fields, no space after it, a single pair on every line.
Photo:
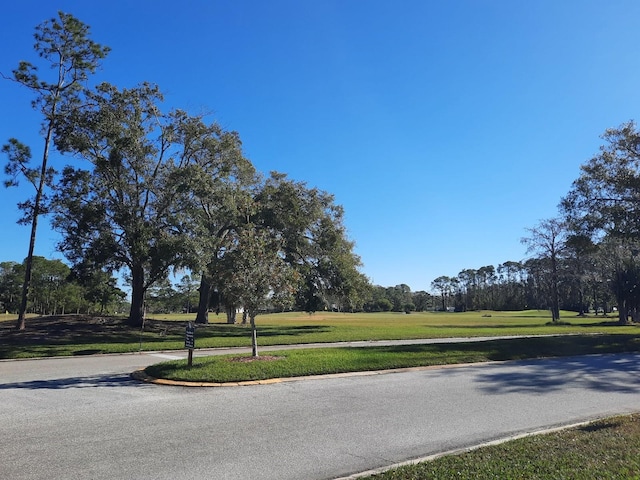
[603,449]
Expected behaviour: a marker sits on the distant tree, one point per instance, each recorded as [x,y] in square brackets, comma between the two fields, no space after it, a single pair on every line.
[618,258]
[512,288]
[442,284]
[99,288]
[50,278]
[422,300]
[486,278]
[162,297]
[344,286]
[580,260]
[10,284]
[376,300]
[535,283]
[469,289]
[71,298]
[384,305]
[548,241]
[598,281]
[64,45]
[187,289]
[400,297]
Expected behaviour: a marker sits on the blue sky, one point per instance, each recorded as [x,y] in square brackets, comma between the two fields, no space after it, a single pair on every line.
[444,128]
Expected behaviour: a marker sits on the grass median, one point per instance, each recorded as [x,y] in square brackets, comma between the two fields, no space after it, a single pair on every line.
[319,361]
[603,449]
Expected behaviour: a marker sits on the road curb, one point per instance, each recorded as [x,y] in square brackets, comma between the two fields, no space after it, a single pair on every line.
[141,376]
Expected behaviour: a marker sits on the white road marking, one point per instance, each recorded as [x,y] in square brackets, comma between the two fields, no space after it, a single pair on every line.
[164,355]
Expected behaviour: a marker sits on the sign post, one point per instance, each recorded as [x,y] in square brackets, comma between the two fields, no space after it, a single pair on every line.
[190,342]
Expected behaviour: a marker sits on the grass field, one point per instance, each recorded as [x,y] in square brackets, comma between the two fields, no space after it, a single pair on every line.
[78,335]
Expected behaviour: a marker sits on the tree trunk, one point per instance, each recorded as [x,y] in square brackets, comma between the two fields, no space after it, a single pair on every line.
[555,296]
[582,312]
[623,313]
[623,310]
[26,286]
[230,310]
[136,313]
[254,335]
[34,220]
[203,301]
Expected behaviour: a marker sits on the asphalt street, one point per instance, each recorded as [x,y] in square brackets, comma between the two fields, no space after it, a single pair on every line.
[85,418]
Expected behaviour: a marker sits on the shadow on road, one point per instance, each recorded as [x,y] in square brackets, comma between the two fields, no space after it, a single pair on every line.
[119,380]
[606,373]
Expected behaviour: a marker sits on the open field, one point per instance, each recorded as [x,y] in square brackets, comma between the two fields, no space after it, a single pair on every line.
[603,449]
[82,335]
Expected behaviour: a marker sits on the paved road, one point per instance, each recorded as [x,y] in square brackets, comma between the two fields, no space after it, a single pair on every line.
[84,418]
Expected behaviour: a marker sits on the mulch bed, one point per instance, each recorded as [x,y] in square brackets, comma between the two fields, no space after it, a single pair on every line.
[261,358]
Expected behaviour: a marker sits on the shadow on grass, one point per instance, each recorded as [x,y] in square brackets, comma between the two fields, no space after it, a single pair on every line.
[241,331]
[596,427]
[531,347]
[487,326]
[93,381]
[84,335]
[611,323]
[88,351]
[562,323]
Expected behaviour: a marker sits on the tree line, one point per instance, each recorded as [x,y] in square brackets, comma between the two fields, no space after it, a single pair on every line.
[57,289]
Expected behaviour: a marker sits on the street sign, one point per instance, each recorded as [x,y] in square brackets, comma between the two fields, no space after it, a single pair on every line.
[190,336]
[190,342]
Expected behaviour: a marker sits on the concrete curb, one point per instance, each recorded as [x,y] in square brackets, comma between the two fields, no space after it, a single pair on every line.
[142,376]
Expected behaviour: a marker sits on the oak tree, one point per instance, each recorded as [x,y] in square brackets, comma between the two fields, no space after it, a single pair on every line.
[123,211]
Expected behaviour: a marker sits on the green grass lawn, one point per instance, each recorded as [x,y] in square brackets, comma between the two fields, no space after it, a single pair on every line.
[607,449]
[77,335]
